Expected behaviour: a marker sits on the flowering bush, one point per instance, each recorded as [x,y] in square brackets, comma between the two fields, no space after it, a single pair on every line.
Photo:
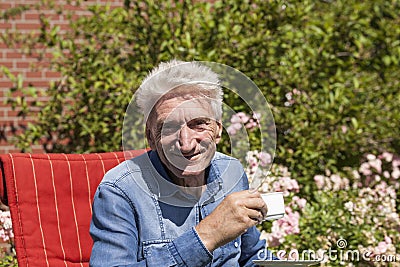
[6,234]
[240,119]
[355,211]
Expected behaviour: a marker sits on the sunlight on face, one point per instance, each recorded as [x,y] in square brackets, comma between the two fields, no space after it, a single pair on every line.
[184,132]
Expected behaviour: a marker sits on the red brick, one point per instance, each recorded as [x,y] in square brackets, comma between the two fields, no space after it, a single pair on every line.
[5,25]
[23,65]
[34,74]
[26,2]
[4,6]
[31,16]
[42,64]
[55,17]
[14,94]
[27,26]
[13,55]
[12,47]
[64,27]
[71,7]
[8,64]
[7,84]
[44,84]
[52,74]
[40,55]
[37,150]
[11,113]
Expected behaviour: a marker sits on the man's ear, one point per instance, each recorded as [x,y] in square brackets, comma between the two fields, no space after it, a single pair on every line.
[150,139]
[218,131]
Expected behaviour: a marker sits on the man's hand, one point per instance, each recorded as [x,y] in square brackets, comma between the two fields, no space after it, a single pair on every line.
[236,213]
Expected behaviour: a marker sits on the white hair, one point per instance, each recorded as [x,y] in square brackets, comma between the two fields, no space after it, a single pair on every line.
[173,74]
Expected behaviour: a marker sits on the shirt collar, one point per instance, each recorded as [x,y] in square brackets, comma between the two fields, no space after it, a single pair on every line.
[166,189]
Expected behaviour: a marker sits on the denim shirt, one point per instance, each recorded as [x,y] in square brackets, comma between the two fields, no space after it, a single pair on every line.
[140,218]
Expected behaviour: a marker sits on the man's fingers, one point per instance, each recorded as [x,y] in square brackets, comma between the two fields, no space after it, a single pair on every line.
[255,215]
[252,193]
[258,207]
[255,203]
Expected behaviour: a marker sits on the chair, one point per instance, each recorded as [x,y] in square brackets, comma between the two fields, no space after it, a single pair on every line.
[50,200]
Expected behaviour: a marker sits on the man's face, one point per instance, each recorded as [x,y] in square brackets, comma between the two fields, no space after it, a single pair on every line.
[184,133]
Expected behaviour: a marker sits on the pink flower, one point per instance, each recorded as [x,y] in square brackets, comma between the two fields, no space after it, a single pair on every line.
[300,202]
[364,169]
[349,206]
[265,158]
[296,91]
[243,117]
[376,164]
[396,173]
[288,225]
[256,116]
[396,162]
[286,185]
[388,240]
[381,248]
[320,181]
[337,181]
[240,118]
[237,126]
[251,124]
[387,156]
[231,130]
[6,232]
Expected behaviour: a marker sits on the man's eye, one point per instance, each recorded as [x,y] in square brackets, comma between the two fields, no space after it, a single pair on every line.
[170,128]
[199,124]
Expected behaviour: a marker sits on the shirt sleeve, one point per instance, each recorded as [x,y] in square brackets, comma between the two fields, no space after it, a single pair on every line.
[253,248]
[116,239]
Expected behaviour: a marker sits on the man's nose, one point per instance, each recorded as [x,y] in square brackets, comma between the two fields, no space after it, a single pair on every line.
[187,140]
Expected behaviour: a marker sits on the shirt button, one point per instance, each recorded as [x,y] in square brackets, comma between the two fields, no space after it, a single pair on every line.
[236,244]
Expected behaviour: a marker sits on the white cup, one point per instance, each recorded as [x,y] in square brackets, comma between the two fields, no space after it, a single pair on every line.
[275,205]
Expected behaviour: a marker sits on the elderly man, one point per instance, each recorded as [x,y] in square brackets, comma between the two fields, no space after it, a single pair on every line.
[182,203]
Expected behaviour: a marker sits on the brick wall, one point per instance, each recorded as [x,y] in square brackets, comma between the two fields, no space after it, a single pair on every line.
[33,71]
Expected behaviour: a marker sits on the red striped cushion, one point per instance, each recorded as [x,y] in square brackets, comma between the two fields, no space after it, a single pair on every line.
[50,199]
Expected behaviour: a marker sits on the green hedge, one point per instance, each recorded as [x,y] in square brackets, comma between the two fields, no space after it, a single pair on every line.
[341,58]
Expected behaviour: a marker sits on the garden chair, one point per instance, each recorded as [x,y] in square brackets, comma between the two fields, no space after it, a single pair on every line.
[50,200]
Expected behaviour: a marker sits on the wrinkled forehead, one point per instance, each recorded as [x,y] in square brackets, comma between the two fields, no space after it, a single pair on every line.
[183,103]
[183,109]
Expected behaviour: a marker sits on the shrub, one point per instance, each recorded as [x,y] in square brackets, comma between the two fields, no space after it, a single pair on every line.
[329,70]
[354,213]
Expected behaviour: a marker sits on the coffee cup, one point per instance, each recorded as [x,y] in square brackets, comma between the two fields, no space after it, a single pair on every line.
[275,205]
